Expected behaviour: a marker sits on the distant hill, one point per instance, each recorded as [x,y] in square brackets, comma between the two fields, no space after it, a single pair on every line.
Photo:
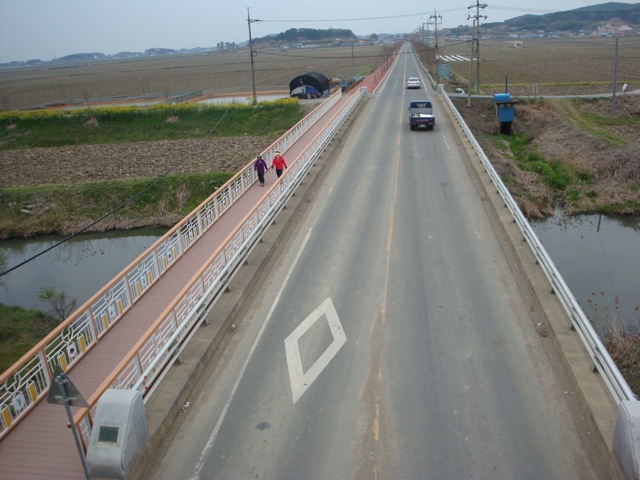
[82,57]
[308,34]
[584,18]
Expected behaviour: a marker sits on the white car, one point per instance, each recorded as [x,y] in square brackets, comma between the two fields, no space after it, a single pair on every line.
[413,82]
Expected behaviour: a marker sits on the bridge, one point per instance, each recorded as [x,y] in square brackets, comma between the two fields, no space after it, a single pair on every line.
[132,331]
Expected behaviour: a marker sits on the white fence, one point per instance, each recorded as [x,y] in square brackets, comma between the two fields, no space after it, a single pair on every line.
[27,381]
[144,367]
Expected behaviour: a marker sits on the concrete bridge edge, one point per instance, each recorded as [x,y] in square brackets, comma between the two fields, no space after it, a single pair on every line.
[599,410]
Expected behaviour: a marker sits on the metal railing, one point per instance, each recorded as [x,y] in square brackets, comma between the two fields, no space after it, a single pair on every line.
[601,360]
[27,381]
[148,362]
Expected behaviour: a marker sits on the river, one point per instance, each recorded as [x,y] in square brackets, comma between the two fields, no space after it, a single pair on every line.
[598,256]
[78,267]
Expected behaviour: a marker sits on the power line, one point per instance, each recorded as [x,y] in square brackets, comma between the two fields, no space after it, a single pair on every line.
[316,20]
[178,164]
[124,204]
[475,44]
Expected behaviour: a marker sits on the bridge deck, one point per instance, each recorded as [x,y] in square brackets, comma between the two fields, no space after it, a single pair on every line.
[41,445]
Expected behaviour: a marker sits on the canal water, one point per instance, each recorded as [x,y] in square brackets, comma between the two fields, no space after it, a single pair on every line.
[79,267]
[599,258]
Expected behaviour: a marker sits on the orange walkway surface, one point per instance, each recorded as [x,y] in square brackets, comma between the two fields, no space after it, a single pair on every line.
[41,445]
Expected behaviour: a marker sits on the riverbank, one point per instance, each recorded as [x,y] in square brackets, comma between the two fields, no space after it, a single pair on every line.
[63,171]
[572,153]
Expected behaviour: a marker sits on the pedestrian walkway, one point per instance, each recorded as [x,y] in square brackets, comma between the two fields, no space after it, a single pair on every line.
[41,446]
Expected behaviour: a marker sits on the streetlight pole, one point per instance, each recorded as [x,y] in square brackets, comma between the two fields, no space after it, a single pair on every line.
[251,52]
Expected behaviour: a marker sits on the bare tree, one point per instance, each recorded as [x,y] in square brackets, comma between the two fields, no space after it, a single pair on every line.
[5,105]
[61,304]
[145,94]
[86,95]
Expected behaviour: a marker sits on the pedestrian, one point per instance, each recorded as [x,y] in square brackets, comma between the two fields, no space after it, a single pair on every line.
[278,163]
[260,166]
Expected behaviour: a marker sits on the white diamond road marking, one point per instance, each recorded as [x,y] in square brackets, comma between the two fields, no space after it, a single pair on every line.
[300,380]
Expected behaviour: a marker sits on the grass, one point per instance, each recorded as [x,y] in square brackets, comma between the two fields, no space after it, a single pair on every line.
[67,208]
[549,84]
[554,174]
[593,123]
[621,338]
[18,329]
[38,129]
[62,208]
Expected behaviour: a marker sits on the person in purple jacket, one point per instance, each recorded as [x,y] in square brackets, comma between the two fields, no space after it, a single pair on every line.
[260,166]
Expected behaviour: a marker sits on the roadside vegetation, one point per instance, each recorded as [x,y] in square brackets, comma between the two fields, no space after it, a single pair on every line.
[64,209]
[109,125]
[621,338]
[570,153]
[579,156]
[148,199]
[20,329]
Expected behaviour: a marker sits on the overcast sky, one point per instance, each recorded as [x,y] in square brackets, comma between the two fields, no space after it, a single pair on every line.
[46,29]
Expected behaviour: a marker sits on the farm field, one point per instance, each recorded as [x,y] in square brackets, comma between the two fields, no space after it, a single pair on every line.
[562,66]
[164,77]
[590,155]
[577,153]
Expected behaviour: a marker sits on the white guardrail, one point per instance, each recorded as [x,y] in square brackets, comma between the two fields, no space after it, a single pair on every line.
[27,381]
[601,359]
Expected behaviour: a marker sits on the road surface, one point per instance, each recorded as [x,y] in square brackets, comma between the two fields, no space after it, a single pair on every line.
[390,340]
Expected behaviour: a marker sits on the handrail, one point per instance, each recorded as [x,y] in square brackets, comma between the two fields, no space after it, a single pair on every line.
[27,381]
[602,361]
[147,362]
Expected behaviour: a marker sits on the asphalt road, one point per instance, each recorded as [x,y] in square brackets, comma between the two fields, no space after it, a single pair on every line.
[390,340]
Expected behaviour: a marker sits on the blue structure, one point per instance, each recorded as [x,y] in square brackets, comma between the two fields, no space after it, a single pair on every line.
[504,111]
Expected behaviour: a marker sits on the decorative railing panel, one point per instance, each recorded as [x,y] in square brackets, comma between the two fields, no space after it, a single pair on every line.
[26,382]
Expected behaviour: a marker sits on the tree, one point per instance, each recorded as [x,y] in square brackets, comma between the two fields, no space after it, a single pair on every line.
[61,304]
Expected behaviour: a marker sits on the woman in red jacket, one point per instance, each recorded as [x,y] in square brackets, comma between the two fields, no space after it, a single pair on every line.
[278,162]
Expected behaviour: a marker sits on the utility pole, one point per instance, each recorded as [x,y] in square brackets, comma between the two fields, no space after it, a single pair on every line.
[436,17]
[615,80]
[475,45]
[473,36]
[252,53]
[353,62]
